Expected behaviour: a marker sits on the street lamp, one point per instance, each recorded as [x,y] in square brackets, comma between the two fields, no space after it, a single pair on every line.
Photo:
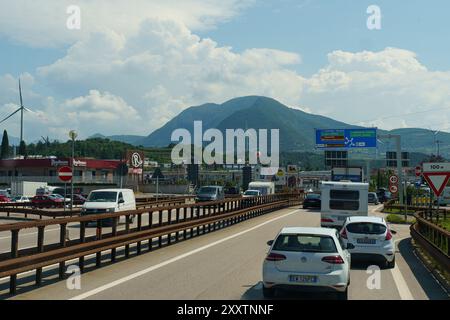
[72,135]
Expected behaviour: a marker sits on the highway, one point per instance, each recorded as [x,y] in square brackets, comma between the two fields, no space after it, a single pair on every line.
[227,265]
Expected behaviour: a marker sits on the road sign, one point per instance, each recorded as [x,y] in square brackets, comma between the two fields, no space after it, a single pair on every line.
[393,188]
[346,138]
[418,171]
[393,179]
[65,174]
[437,175]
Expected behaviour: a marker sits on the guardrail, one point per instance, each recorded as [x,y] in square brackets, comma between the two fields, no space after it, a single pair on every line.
[173,224]
[434,239]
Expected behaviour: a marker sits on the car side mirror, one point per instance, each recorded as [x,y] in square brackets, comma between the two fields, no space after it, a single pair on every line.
[270,243]
[393,232]
[121,201]
[350,246]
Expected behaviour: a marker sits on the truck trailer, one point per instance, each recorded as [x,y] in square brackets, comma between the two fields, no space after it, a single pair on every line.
[26,188]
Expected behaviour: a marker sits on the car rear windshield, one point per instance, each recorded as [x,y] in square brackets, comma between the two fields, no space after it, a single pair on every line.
[103,196]
[305,243]
[251,193]
[313,196]
[366,228]
[207,190]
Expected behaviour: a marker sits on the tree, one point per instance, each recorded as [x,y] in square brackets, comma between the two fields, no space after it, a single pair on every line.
[4,152]
[23,148]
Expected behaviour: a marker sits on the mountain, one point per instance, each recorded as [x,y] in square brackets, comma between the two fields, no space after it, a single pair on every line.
[130,139]
[296,127]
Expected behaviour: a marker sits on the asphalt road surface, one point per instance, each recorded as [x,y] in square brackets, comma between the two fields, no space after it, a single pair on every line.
[227,264]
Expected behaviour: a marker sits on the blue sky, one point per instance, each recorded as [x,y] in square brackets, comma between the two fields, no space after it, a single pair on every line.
[129,63]
[313,28]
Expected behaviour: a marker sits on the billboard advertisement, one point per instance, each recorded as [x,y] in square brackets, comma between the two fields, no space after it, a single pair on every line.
[346,138]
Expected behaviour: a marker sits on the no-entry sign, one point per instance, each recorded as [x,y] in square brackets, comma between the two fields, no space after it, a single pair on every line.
[437,176]
[65,174]
[418,171]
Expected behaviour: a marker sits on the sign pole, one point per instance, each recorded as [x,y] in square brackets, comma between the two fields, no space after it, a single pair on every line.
[65,196]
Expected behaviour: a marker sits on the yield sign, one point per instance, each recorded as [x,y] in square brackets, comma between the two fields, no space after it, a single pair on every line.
[437,181]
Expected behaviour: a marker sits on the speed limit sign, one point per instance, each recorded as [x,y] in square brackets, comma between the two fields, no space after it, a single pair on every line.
[393,179]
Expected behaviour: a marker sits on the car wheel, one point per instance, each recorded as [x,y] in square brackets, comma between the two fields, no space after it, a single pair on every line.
[390,265]
[268,292]
[343,295]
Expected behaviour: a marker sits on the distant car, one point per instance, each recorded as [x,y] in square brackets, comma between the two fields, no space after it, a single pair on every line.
[21,199]
[369,239]
[78,199]
[251,193]
[4,198]
[312,200]
[58,196]
[210,193]
[384,196]
[307,259]
[373,198]
[46,202]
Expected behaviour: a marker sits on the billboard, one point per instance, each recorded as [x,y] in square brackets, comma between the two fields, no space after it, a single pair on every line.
[346,138]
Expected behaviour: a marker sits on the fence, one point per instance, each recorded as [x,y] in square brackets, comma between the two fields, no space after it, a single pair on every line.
[165,225]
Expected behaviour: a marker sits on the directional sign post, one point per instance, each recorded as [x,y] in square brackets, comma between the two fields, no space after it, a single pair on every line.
[437,175]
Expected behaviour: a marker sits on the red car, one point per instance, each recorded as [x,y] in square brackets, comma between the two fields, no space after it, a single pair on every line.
[46,202]
[4,198]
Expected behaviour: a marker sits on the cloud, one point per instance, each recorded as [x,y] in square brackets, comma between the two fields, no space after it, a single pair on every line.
[385,89]
[43,23]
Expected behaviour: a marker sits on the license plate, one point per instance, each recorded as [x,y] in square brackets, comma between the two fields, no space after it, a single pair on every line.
[366,241]
[303,279]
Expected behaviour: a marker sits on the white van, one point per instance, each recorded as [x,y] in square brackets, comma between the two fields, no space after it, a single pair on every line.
[341,200]
[264,187]
[108,201]
[444,199]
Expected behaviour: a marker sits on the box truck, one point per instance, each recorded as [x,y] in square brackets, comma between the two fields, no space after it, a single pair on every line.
[26,188]
[265,187]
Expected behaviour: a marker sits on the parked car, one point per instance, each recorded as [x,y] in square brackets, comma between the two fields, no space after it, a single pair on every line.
[210,193]
[307,259]
[4,198]
[383,195]
[312,200]
[78,199]
[369,239]
[46,202]
[58,196]
[251,193]
[373,198]
[21,199]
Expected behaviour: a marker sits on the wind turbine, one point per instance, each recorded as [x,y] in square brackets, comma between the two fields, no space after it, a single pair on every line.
[21,109]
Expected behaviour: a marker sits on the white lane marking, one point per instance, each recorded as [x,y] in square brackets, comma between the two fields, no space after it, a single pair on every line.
[162,264]
[28,234]
[400,283]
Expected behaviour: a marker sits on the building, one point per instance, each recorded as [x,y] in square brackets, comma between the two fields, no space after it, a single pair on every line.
[46,169]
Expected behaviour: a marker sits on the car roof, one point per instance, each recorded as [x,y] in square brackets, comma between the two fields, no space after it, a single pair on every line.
[308,230]
[366,219]
[111,190]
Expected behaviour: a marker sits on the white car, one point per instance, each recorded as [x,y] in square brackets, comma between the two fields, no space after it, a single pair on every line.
[251,193]
[369,239]
[307,259]
[21,199]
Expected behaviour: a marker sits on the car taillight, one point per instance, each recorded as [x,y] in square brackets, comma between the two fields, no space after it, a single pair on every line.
[388,235]
[344,233]
[333,259]
[275,257]
[326,220]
